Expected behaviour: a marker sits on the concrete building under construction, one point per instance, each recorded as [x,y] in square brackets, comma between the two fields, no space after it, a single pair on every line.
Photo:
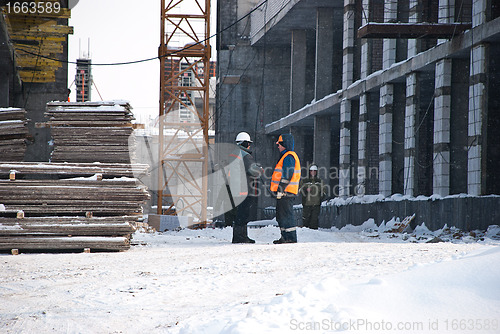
[33,65]
[387,97]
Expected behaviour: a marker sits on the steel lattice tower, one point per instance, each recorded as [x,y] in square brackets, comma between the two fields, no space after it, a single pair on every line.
[183,129]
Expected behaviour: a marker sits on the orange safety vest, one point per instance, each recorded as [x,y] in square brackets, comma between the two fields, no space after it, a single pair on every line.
[293,186]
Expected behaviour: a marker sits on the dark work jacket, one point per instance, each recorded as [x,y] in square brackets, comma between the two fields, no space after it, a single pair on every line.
[312,191]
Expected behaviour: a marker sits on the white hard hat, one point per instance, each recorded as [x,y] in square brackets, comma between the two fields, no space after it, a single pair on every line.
[243,136]
[313,167]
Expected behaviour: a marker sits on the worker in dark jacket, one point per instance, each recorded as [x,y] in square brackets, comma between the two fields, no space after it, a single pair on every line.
[312,190]
[243,179]
[285,186]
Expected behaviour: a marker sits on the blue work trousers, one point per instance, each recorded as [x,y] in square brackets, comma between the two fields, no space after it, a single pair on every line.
[286,218]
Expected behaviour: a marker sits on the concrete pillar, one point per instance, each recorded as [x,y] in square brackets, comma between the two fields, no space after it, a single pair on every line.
[4,90]
[386,107]
[348,43]
[390,15]
[446,14]
[410,147]
[363,108]
[385,139]
[480,12]
[345,148]
[442,112]
[298,70]
[362,144]
[324,53]
[414,17]
[349,36]
[478,104]
[365,44]
[322,144]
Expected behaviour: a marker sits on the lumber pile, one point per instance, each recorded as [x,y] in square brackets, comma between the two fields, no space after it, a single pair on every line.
[90,131]
[13,133]
[68,206]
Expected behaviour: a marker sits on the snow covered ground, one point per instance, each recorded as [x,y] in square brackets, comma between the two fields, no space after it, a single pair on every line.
[358,279]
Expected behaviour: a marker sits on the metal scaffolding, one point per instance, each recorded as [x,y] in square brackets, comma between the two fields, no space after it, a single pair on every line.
[184,54]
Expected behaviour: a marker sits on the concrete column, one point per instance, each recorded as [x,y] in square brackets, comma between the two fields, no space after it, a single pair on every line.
[411,110]
[480,12]
[298,70]
[322,144]
[478,104]
[442,112]
[348,43]
[446,14]
[363,108]
[345,148]
[365,44]
[390,15]
[349,36]
[386,107]
[385,139]
[362,144]
[414,17]
[4,90]
[324,53]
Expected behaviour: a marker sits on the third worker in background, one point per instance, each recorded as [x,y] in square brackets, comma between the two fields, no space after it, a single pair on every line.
[285,186]
[313,191]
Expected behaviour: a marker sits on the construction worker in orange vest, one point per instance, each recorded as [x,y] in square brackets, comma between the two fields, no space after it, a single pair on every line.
[285,185]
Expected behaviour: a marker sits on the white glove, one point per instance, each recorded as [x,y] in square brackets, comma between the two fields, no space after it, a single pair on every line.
[279,195]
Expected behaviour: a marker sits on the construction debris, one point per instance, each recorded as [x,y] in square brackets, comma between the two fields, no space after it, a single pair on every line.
[399,227]
[13,134]
[63,206]
[91,131]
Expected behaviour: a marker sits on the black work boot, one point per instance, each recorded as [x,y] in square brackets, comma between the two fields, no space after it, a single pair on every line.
[240,235]
[287,238]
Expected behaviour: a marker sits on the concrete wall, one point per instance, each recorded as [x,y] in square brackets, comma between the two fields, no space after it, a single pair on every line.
[466,213]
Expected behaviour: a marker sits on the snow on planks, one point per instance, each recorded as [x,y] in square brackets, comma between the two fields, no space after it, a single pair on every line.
[90,131]
[13,134]
[69,206]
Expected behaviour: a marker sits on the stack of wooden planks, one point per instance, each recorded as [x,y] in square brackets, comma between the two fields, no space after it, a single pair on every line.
[13,133]
[91,131]
[68,206]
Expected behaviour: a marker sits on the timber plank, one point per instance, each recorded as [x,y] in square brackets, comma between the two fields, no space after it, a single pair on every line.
[64,243]
[72,169]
